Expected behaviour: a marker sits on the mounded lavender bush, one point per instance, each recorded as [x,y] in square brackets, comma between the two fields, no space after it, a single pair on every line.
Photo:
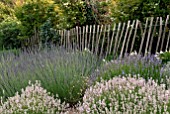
[61,72]
[33,100]
[164,56]
[147,66]
[126,95]
[166,69]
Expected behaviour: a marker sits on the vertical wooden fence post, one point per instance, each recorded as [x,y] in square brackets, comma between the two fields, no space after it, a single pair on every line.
[148,38]
[86,36]
[160,33]
[163,37]
[101,51]
[108,41]
[124,41]
[128,40]
[168,41]
[83,38]
[143,36]
[111,43]
[89,37]
[98,41]
[77,39]
[94,30]
[134,36]
[80,39]
[116,45]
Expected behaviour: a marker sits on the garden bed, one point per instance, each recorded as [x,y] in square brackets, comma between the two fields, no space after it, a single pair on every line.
[59,81]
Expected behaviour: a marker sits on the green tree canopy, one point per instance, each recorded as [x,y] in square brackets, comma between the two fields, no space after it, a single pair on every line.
[34,13]
[5,11]
[123,10]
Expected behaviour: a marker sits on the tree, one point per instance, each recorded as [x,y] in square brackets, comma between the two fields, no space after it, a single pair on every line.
[84,12]
[5,11]
[123,10]
[73,13]
[97,12]
[34,13]
[9,32]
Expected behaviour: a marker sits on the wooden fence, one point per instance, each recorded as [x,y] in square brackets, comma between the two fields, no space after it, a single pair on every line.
[120,38]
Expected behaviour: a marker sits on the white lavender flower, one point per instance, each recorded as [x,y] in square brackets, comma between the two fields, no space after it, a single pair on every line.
[126,95]
[33,100]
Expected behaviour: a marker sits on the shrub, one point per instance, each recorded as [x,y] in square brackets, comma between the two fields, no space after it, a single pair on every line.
[124,10]
[81,12]
[166,72]
[9,32]
[164,56]
[126,95]
[33,100]
[97,12]
[148,66]
[166,68]
[5,11]
[73,13]
[61,72]
[34,13]
[48,34]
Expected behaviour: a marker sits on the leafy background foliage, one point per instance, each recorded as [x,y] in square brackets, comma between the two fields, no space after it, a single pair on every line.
[65,14]
[123,10]
[9,32]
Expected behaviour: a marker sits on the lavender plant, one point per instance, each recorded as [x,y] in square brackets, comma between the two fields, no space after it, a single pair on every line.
[33,100]
[164,56]
[61,72]
[166,69]
[126,95]
[147,66]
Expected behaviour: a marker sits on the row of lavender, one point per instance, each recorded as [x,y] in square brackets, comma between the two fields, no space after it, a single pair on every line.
[54,80]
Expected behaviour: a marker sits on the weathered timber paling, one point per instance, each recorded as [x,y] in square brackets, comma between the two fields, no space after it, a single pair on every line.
[134,36]
[127,45]
[118,40]
[163,37]
[160,33]
[143,36]
[112,38]
[149,33]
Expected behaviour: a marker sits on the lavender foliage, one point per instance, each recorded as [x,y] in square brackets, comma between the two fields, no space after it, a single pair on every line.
[61,72]
[147,66]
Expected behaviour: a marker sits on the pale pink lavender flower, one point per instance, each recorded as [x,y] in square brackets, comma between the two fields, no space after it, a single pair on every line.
[123,95]
[34,99]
